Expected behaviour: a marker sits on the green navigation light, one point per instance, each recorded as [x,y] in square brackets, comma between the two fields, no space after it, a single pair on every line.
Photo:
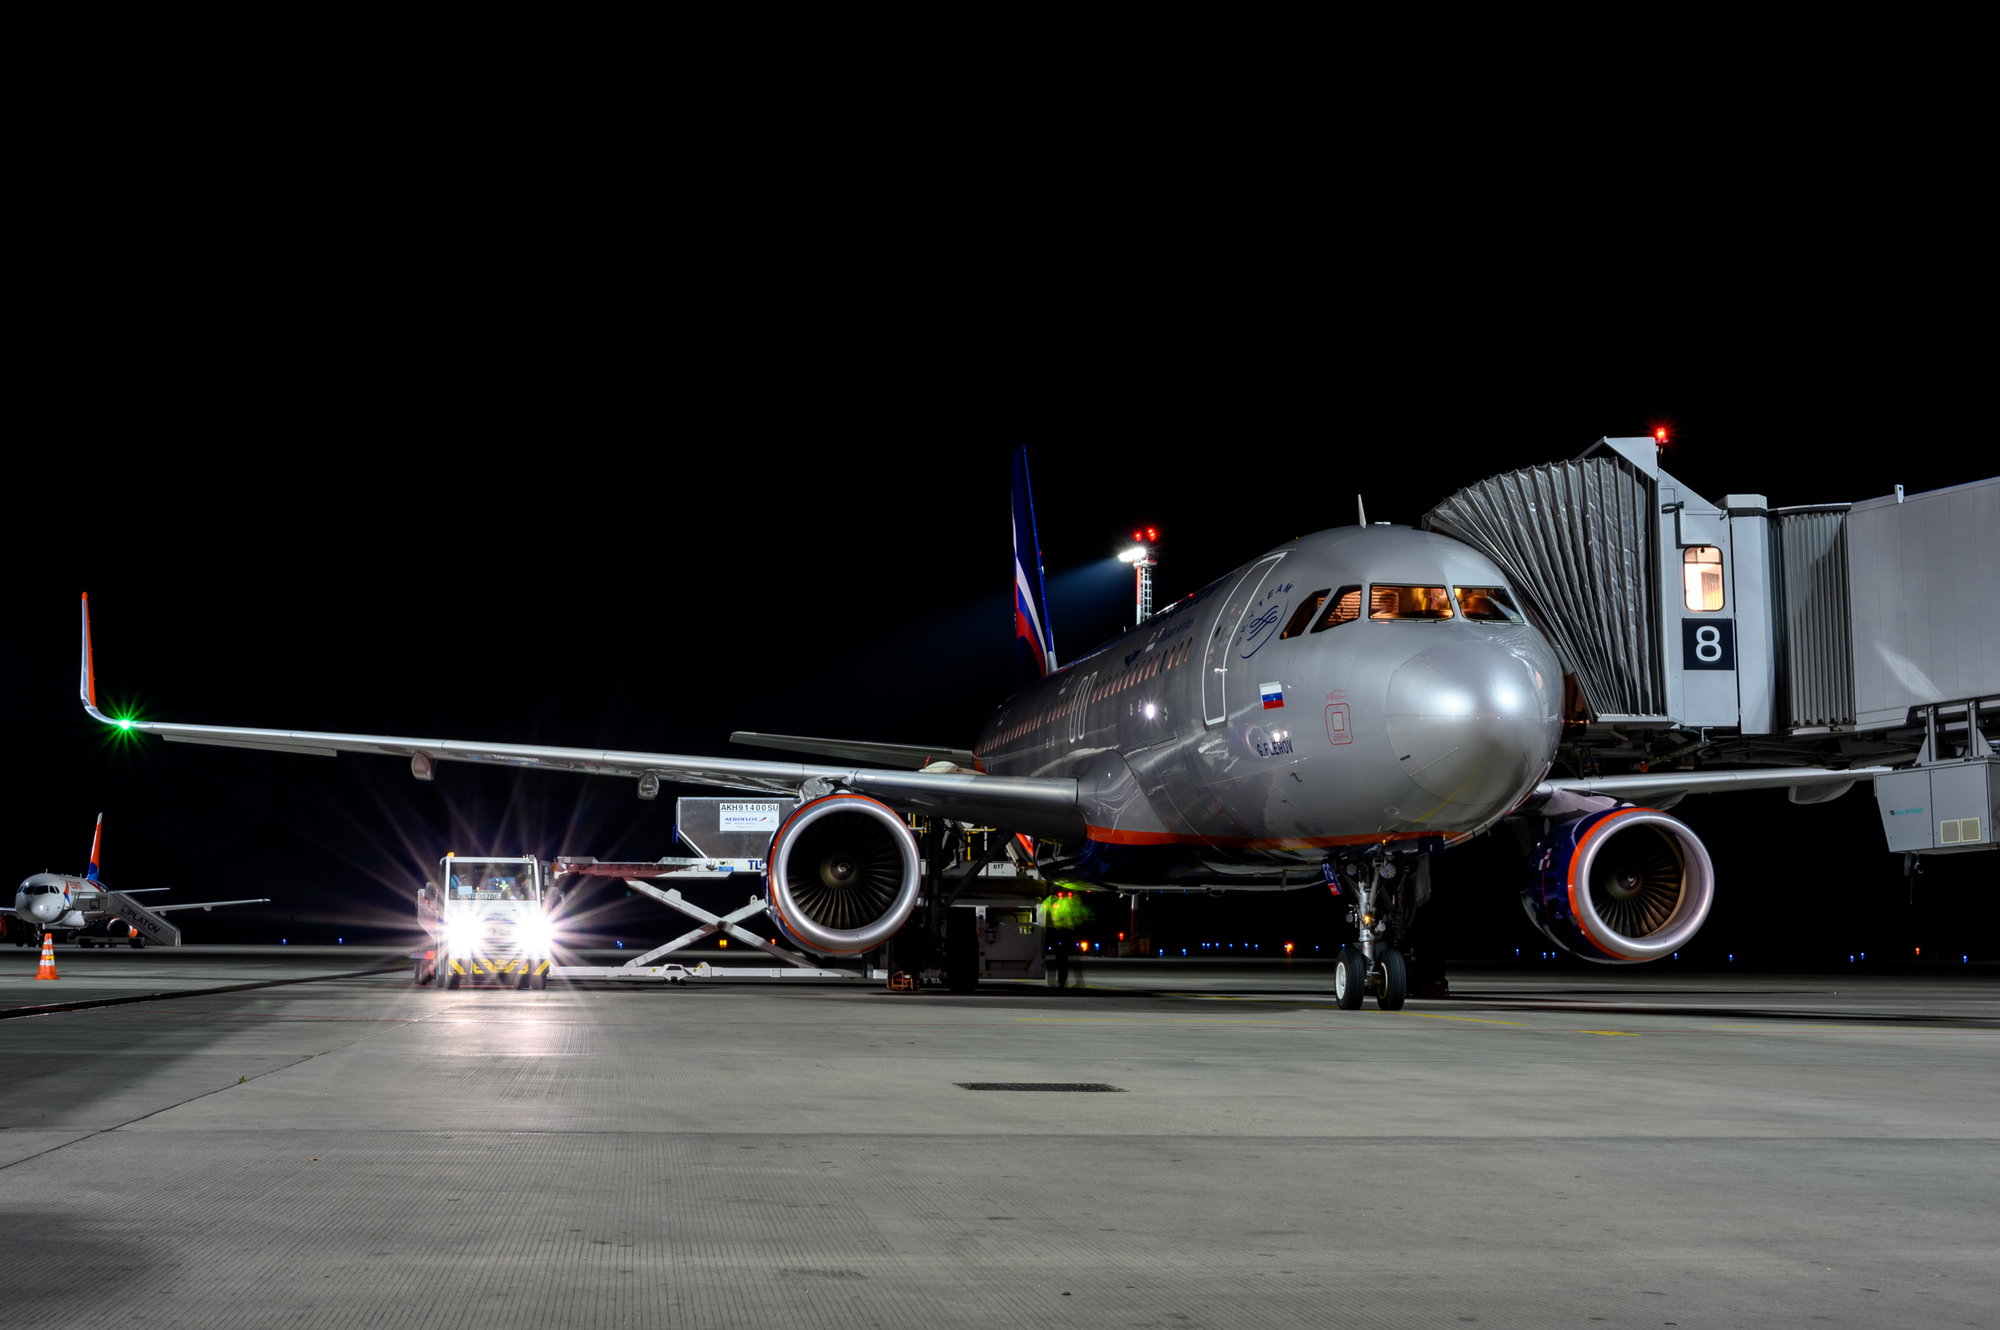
[124,724]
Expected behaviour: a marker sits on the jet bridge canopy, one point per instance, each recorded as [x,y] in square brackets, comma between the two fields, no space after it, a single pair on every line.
[1674,612]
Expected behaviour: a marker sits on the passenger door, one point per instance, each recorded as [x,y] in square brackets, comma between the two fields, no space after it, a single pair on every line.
[1215,666]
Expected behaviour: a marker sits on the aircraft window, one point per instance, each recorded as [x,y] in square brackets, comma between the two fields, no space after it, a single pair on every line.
[1701,570]
[1303,615]
[1346,608]
[1488,604]
[1408,602]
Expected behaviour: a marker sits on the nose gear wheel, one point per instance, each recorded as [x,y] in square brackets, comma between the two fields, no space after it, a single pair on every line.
[1350,980]
[1393,982]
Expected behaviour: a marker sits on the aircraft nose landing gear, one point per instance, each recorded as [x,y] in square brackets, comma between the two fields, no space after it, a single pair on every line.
[1385,894]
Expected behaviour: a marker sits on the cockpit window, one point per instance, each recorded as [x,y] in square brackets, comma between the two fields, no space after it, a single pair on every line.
[1408,602]
[1303,615]
[1488,604]
[1344,608]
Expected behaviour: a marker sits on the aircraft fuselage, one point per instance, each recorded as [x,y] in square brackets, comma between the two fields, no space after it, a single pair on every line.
[1239,733]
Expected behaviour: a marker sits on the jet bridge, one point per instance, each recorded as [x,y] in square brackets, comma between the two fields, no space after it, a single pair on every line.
[1738,632]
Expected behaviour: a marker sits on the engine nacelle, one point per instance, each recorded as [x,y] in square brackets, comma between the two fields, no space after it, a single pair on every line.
[1621,886]
[842,875]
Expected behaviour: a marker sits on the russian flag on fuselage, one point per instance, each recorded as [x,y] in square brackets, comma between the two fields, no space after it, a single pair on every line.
[1034,642]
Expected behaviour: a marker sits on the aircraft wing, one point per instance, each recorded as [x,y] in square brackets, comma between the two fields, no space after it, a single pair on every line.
[1653,785]
[205,905]
[1037,806]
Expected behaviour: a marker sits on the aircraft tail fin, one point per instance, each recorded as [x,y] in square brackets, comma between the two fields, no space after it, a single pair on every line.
[96,845]
[1034,642]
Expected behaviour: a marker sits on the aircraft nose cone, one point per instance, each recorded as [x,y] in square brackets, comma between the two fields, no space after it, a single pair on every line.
[1474,723]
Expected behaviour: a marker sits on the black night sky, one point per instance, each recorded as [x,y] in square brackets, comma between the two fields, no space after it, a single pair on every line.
[645,515]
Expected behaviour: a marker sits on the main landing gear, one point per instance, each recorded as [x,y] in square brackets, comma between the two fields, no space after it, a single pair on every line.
[1383,890]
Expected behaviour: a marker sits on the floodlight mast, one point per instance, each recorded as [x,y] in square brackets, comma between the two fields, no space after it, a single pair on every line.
[1143,563]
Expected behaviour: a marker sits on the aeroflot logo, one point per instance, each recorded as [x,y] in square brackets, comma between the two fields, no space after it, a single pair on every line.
[1263,619]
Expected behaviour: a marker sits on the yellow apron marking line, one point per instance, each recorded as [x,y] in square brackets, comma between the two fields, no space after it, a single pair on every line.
[1476,1020]
[1859,1028]
[1629,1034]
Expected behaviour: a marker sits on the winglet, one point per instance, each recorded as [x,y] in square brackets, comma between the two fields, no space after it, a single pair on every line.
[96,844]
[88,684]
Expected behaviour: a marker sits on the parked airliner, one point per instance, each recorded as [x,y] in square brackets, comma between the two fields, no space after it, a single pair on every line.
[89,913]
[1335,710]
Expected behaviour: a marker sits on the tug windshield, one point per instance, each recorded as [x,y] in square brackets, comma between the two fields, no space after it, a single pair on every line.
[489,882]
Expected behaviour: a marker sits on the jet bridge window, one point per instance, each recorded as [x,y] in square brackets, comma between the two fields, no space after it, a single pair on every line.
[1344,608]
[1488,604]
[1701,570]
[1303,615]
[1408,602]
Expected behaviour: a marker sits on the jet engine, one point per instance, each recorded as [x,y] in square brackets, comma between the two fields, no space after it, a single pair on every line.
[1620,886]
[842,875]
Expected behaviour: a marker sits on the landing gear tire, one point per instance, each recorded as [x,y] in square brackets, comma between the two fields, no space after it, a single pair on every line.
[1395,981]
[1350,979]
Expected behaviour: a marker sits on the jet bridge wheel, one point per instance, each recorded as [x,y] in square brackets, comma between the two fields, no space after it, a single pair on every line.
[1394,985]
[1350,979]
[138,944]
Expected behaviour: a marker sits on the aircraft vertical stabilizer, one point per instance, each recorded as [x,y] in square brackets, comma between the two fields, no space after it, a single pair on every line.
[1034,641]
[96,844]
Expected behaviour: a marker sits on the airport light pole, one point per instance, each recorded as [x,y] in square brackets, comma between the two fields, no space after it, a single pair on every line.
[1140,556]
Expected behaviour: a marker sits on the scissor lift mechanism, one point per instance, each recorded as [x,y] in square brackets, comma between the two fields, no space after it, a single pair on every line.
[650,967]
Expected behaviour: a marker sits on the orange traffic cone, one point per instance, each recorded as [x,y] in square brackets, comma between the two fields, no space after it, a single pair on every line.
[48,970]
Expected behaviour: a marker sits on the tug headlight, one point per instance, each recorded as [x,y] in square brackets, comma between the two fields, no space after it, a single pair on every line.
[534,934]
[461,934]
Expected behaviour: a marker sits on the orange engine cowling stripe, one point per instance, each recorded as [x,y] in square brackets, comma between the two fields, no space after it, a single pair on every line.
[1576,857]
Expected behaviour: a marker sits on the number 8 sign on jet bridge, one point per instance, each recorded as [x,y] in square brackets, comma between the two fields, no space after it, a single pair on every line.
[1708,644]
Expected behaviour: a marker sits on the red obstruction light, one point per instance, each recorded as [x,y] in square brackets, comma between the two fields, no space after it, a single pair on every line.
[1152,533]
[1660,434]
[1137,536]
